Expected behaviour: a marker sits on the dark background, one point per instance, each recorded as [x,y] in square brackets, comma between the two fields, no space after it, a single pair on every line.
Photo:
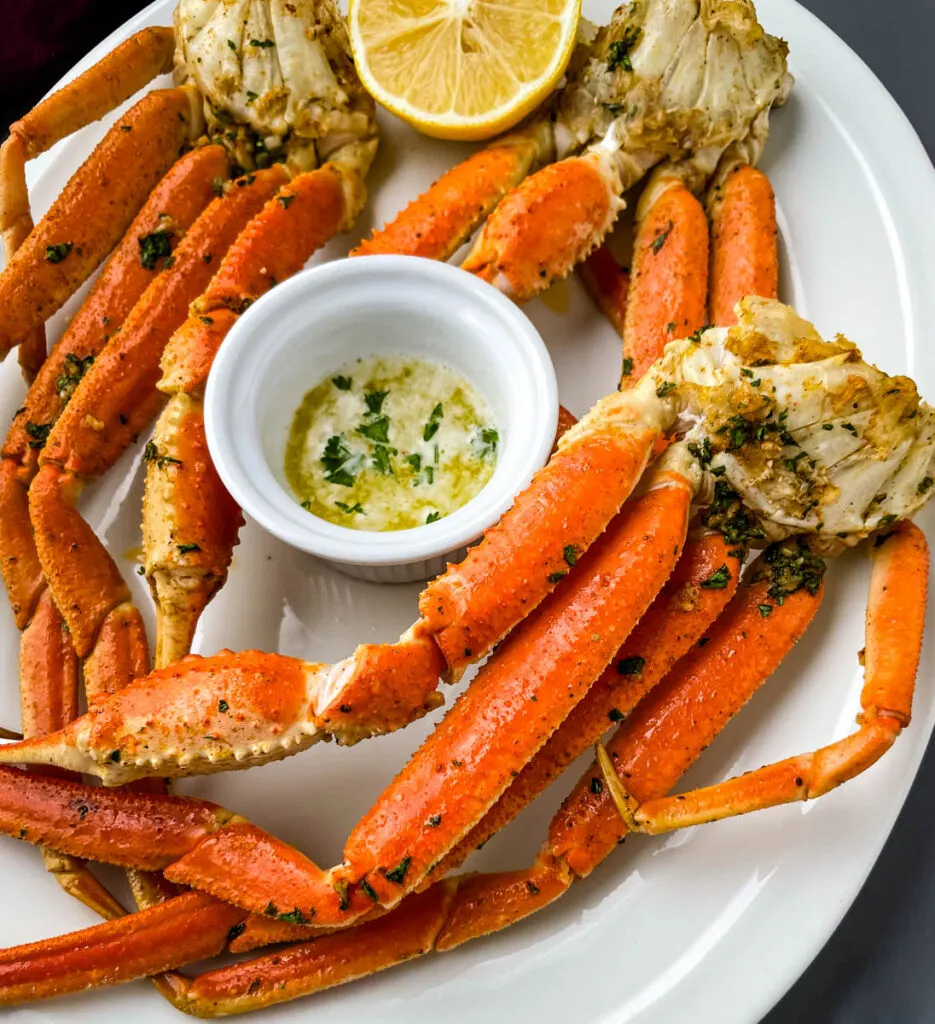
[879,967]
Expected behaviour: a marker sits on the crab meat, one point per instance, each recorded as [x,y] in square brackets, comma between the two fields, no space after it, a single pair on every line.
[276,76]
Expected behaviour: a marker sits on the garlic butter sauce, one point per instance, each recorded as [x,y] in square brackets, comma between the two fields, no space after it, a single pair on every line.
[390,443]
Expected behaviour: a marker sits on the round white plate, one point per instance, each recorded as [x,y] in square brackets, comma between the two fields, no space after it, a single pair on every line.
[710,924]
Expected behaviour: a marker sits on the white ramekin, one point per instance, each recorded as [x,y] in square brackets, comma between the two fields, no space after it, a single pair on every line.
[323,318]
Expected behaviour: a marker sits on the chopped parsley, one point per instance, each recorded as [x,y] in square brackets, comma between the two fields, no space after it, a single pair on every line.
[434,422]
[184,549]
[223,706]
[728,515]
[570,554]
[433,517]
[75,368]
[627,366]
[39,432]
[664,388]
[618,53]
[58,252]
[660,240]
[381,461]
[374,401]
[790,567]
[151,454]
[342,383]
[377,430]
[718,580]
[155,246]
[351,509]
[484,442]
[336,458]
[696,336]
[399,872]
[295,917]
[285,199]
[701,450]
[262,44]
[557,577]
[632,666]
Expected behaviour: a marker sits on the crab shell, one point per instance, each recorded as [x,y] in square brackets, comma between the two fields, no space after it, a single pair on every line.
[813,439]
[277,78]
[644,83]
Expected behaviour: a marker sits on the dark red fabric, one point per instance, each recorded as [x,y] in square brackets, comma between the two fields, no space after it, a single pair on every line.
[41,39]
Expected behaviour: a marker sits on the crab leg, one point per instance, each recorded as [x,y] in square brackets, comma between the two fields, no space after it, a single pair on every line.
[651,750]
[110,407]
[687,605]
[895,621]
[81,227]
[115,78]
[518,699]
[49,695]
[179,931]
[89,97]
[171,208]
[744,256]
[608,284]
[582,834]
[48,665]
[184,498]
[445,216]
[669,280]
[602,600]
[380,687]
[547,224]
[115,400]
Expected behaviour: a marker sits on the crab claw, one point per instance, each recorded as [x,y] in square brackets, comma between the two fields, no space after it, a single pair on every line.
[236,710]
[552,221]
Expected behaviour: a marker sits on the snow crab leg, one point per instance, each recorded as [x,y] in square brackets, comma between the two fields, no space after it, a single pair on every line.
[48,665]
[594,819]
[80,229]
[190,522]
[452,910]
[895,623]
[114,402]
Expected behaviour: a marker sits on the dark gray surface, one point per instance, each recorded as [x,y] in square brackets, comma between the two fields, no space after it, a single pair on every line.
[879,966]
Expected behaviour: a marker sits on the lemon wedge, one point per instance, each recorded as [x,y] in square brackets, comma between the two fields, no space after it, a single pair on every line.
[462,69]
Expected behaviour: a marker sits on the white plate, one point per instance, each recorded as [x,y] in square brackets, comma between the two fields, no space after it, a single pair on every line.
[706,925]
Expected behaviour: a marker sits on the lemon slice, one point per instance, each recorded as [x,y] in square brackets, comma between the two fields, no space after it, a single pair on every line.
[462,69]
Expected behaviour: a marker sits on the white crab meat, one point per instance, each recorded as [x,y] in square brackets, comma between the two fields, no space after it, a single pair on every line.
[673,79]
[812,438]
[281,69]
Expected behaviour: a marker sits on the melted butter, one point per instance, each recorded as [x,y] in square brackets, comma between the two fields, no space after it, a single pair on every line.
[390,443]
